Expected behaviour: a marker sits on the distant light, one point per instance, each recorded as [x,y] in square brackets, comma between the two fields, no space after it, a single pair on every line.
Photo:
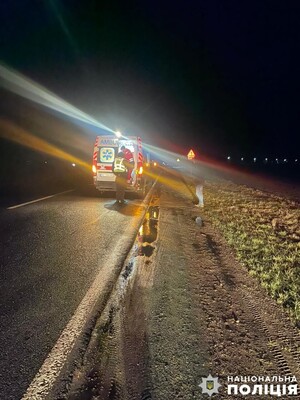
[266,159]
[296,160]
[254,159]
[285,160]
[178,160]
[118,133]
[73,165]
[242,158]
[228,158]
[155,163]
[276,159]
[46,162]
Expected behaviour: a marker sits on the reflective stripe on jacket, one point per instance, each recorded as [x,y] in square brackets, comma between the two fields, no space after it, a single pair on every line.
[119,166]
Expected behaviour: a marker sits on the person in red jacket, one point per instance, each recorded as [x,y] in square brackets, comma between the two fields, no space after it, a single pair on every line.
[128,157]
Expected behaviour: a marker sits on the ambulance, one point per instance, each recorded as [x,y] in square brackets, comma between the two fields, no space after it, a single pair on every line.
[106,149]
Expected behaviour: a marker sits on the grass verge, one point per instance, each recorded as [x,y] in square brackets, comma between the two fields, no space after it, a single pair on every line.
[265,233]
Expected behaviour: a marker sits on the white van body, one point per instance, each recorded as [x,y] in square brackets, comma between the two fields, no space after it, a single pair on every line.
[106,149]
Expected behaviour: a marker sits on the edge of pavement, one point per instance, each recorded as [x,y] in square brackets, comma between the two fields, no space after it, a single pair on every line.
[178,323]
[117,361]
[53,377]
[109,325]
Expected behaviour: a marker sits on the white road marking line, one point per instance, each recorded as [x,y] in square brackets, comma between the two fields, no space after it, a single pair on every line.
[47,376]
[41,199]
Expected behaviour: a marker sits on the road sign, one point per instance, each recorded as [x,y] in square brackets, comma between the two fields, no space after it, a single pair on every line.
[191,155]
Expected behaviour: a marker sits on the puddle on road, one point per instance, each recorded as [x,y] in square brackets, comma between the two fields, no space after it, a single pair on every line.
[144,246]
[147,250]
[148,232]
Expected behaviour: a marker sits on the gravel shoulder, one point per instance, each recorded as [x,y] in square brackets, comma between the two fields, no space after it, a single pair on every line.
[189,309]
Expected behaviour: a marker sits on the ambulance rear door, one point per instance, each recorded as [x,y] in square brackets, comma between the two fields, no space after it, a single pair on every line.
[107,149]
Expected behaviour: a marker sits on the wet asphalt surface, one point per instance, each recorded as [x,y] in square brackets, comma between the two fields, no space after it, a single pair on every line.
[50,253]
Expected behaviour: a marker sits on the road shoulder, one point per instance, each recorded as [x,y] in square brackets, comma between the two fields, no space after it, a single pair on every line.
[190,309]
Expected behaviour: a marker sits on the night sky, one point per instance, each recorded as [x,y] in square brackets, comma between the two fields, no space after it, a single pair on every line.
[219,76]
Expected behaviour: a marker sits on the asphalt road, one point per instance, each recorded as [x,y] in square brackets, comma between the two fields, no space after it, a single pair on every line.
[51,252]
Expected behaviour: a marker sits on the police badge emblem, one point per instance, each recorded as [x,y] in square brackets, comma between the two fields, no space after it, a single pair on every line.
[210,385]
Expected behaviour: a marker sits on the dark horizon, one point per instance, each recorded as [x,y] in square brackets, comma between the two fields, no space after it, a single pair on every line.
[222,79]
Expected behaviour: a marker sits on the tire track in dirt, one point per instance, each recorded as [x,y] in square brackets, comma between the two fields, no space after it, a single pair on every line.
[234,303]
[178,339]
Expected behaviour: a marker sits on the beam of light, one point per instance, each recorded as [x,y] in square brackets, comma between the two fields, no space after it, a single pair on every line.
[24,87]
[167,181]
[211,169]
[13,132]
[162,154]
[189,168]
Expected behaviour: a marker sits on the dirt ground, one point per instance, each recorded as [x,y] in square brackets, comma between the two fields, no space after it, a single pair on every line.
[182,311]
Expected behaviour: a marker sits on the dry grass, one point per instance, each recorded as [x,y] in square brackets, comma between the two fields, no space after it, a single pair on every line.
[265,233]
